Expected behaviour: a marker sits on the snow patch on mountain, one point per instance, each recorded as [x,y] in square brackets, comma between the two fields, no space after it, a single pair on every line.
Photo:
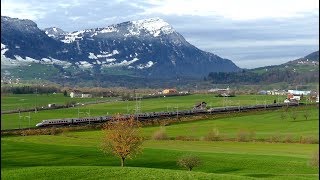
[92,56]
[154,26]
[3,49]
[51,60]
[122,63]
[109,29]
[148,65]
[84,64]
[110,60]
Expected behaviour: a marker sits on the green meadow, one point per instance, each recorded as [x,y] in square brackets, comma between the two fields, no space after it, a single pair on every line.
[77,155]
[12,121]
[27,101]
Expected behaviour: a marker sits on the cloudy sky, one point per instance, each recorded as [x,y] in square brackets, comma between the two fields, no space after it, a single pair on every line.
[251,33]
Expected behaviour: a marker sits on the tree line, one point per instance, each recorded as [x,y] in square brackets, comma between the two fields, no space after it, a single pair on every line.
[273,76]
[29,89]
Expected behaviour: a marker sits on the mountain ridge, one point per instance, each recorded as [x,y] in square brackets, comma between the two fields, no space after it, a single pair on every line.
[149,47]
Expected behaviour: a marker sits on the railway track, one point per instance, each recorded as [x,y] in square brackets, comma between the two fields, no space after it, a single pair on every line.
[148,116]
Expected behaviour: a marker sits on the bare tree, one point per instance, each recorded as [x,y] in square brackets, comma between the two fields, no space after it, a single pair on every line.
[283,116]
[122,138]
[306,114]
[293,115]
[189,161]
[314,161]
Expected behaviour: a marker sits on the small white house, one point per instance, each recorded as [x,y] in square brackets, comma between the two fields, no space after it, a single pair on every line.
[297,92]
[75,94]
[86,95]
[296,98]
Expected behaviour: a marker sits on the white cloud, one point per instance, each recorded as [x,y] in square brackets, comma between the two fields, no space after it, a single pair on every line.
[74,18]
[32,9]
[234,9]
[21,10]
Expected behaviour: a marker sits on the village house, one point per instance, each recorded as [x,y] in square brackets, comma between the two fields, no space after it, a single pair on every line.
[79,94]
[169,91]
[277,92]
[297,92]
[86,95]
[75,94]
[220,91]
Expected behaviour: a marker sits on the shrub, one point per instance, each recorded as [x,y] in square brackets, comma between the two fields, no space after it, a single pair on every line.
[186,138]
[275,138]
[160,134]
[294,115]
[213,135]
[55,131]
[309,140]
[245,135]
[314,161]
[306,114]
[288,139]
[189,161]
[283,116]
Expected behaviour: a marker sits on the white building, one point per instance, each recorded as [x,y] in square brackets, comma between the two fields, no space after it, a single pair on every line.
[75,94]
[297,92]
[85,95]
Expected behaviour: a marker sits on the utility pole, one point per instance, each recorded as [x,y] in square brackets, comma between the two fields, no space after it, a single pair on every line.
[20,120]
[127,107]
[177,112]
[89,116]
[29,119]
[35,108]
[138,106]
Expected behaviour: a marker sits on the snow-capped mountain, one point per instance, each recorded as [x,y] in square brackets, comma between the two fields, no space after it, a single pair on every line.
[54,32]
[149,47]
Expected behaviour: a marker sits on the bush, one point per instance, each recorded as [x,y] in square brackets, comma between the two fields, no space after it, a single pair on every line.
[314,161]
[309,140]
[288,139]
[186,138]
[189,161]
[294,115]
[160,134]
[283,116]
[55,131]
[213,135]
[306,114]
[245,135]
[275,138]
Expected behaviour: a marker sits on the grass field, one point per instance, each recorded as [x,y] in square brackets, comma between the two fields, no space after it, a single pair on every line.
[11,121]
[59,156]
[77,155]
[26,101]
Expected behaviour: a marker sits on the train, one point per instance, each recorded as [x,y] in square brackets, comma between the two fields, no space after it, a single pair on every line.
[150,115]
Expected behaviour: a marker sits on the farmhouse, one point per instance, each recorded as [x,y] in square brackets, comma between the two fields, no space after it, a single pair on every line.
[75,94]
[277,92]
[86,95]
[297,92]
[169,91]
[220,91]
[79,94]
